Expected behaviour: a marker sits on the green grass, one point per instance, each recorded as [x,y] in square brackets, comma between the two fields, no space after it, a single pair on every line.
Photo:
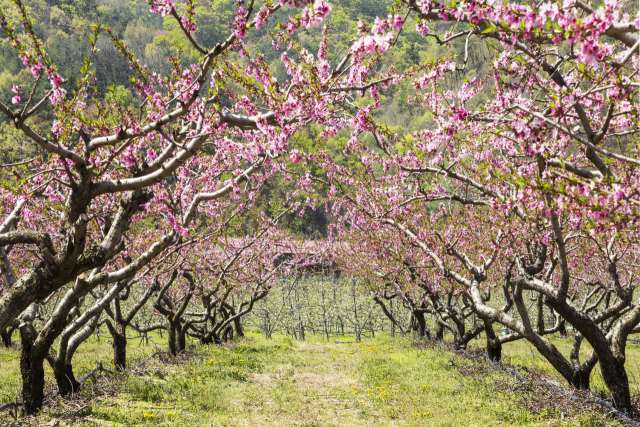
[88,356]
[256,382]
[522,353]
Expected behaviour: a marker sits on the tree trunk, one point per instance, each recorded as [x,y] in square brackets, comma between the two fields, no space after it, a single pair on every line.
[612,367]
[613,373]
[181,338]
[173,338]
[32,372]
[119,345]
[206,339]
[581,379]
[494,346]
[227,334]
[217,338]
[562,330]
[65,379]
[540,314]
[615,377]
[420,324]
[6,337]
[238,327]
[439,332]
[177,340]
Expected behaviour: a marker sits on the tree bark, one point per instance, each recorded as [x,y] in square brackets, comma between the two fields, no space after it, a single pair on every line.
[118,330]
[238,327]
[419,323]
[540,314]
[181,338]
[563,329]
[32,371]
[6,337]
[66,380]
[439,332]
[172,339]
[612,367]
[494,346]
[176,339]
[617,381]
[227,335]
[119,345]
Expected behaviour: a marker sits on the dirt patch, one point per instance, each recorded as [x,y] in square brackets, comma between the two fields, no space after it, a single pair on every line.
[314,381]
[184,356]
[318,381]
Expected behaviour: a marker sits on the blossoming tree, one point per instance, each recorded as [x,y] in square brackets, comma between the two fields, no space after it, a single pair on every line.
[526,178]
[115,188]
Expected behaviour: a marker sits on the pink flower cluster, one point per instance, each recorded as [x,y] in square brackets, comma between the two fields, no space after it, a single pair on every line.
[163,7]
[381,25]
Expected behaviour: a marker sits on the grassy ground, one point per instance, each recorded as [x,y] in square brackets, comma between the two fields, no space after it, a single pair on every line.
[378,382]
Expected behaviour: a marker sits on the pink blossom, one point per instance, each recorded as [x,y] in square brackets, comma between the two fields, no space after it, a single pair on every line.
[295,156]
[398,21]
[422,28]
[321,8]
[56,81]
[379,25]
[56,127]
[362,28]
[589,53]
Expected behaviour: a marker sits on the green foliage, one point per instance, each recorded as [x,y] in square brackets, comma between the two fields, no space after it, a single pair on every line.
[14,146]
[213,18]
[122,96]
[64,26]
[172,39]
[144,389]
[591,420]
[75,8]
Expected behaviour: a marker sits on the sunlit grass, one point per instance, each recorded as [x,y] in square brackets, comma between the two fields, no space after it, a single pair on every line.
[90,354]
[256,382]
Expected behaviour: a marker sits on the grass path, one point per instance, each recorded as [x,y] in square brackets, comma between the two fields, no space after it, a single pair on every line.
[380,382]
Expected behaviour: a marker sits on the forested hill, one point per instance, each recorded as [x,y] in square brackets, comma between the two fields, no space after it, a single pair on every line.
[64,26]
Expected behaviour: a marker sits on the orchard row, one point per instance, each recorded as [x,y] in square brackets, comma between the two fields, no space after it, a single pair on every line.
[521,186]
